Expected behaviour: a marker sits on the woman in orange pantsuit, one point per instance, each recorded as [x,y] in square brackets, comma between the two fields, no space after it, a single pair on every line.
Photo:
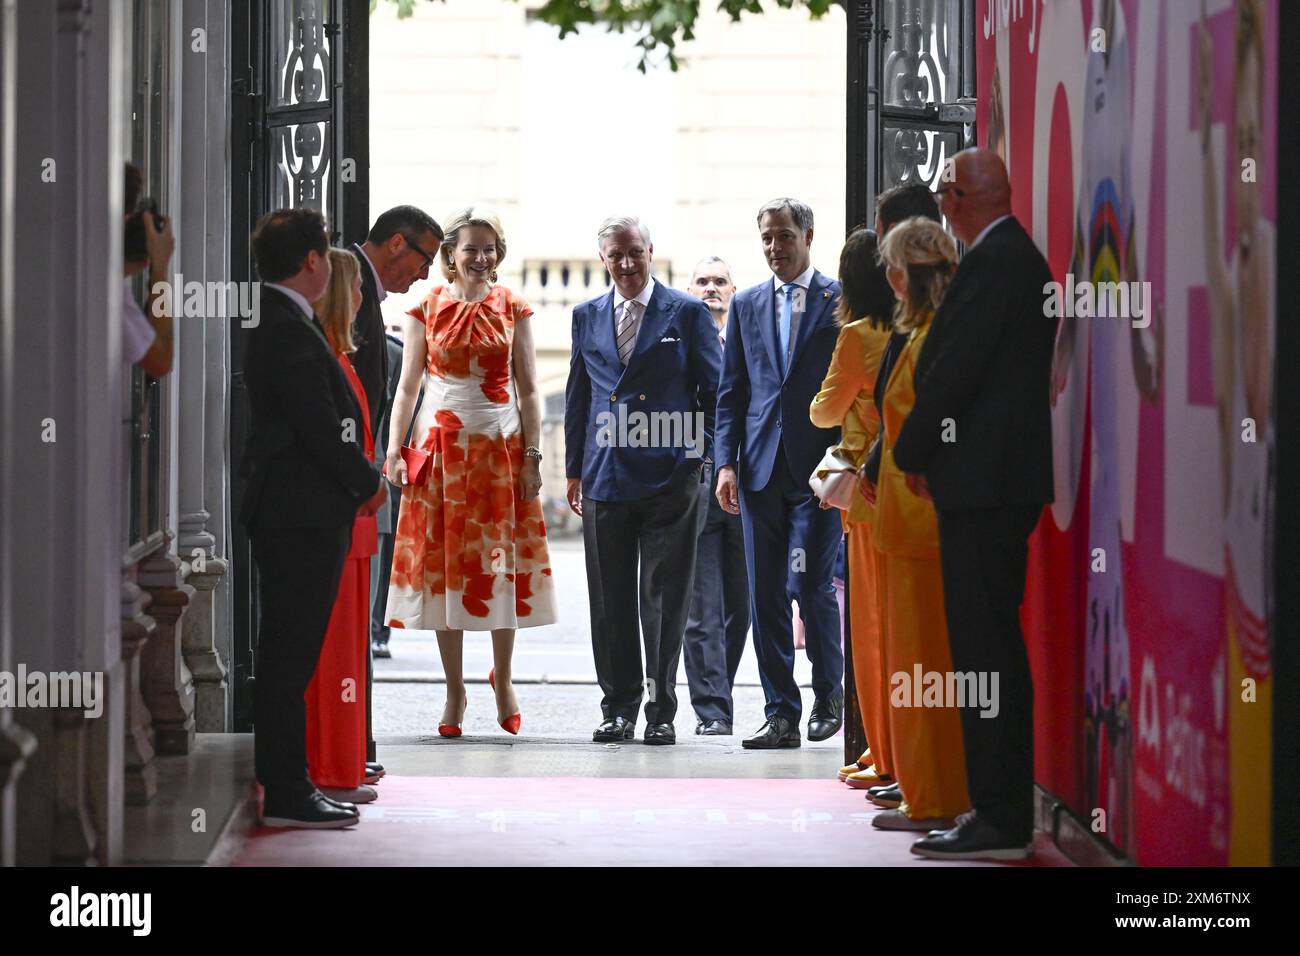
[846,401]
[929,757]
[336,696]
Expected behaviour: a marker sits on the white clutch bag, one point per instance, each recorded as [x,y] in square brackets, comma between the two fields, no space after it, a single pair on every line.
[834,479]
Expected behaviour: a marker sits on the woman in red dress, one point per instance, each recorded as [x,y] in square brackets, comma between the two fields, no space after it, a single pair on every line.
[336,697]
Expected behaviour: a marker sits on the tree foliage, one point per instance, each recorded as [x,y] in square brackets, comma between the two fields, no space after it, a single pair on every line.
[659,25]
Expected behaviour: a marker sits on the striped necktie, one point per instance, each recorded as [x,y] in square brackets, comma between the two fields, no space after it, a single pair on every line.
[628,324]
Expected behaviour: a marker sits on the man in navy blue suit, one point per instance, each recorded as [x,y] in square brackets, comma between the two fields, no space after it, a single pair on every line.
[780,336]
[638,417]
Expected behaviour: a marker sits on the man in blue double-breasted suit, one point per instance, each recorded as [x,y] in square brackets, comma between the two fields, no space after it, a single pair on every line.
[638,419]
[780,337]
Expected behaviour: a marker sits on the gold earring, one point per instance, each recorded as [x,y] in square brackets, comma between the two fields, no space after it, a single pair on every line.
[451,268]
[493,276]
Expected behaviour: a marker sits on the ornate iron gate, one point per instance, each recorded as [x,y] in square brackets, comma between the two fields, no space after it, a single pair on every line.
[911,94]
[298,122]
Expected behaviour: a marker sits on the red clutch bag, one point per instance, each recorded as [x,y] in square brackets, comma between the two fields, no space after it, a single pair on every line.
[417,461]
[417,464]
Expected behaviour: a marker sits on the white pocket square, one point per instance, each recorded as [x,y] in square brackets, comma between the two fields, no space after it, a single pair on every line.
[669,338]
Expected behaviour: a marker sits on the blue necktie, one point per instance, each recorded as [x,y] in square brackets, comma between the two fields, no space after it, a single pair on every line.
[783,328]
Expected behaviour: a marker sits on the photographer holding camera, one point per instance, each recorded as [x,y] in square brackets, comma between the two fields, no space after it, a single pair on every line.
[147,334]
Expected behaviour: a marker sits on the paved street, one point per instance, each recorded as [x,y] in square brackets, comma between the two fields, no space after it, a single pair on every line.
[555,678]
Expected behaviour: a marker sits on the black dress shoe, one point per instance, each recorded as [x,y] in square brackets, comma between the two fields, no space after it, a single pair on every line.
[713,728]
[777,732]
[827,716]
[374,768]
[660,734]
[379,650]
[890,797]
[972,839]
[614,729]
[311,812]
[335,802]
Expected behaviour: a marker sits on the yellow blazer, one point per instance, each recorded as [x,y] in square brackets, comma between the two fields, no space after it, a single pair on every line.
[904,523]
[845,399]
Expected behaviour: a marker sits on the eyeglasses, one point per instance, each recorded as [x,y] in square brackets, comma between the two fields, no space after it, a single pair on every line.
[950,189]
[428,259]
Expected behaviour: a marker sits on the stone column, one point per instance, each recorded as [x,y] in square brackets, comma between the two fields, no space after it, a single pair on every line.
[102,93]
[166,681]
[191,141]
[216,423]
[38,635]
[197,543]
[63,375]
[16,743]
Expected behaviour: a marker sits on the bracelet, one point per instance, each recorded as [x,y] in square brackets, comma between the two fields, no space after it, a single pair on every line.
[532,451]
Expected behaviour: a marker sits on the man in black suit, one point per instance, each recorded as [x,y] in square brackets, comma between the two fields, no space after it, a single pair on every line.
[307,478]
[398,251]
[979,442]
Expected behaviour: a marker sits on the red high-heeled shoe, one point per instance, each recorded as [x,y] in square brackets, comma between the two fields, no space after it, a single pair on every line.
[449,730]
[511,724]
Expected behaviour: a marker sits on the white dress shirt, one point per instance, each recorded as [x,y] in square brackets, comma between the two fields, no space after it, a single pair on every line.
[803,280]
[797,308]
[373,271]
[642,298]
[297,297]
[986,230]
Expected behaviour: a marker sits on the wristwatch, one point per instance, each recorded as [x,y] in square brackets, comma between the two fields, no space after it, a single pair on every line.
[532,451]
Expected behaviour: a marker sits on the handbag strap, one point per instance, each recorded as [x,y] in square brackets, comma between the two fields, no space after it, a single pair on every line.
[415,413]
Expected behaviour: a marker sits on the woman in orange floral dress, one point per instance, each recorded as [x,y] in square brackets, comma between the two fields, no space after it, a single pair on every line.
[470,551]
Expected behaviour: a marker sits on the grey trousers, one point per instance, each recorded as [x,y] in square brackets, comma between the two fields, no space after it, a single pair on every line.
[718,623]
[640,562]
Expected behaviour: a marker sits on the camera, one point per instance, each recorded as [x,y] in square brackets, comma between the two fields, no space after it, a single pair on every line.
[135,249]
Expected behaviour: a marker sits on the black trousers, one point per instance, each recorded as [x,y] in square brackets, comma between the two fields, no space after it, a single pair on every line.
[298,581]
[381,569]
[718,623]
[983,554]
[657,533]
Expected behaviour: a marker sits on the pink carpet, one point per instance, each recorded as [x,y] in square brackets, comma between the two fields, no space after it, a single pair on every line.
[599,821]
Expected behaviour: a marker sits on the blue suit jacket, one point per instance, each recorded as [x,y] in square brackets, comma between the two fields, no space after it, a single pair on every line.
[760,407]
[673,368]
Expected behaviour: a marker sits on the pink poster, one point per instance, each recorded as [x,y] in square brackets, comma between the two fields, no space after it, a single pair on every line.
[1140,138]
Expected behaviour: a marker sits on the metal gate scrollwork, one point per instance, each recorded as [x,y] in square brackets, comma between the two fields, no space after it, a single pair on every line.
[911,94]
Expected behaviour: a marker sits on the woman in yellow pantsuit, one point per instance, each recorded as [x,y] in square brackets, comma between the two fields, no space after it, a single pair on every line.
[929,759]
[845,400]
